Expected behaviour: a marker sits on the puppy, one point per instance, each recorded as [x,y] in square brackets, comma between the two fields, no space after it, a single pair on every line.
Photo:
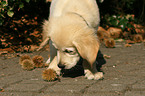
[71,32]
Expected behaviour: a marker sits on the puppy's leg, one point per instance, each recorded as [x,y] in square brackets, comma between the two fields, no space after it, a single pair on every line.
[97,75]
[54,65]
[52,72]
[88,74]
[53,59]
[48,61]
[91,72]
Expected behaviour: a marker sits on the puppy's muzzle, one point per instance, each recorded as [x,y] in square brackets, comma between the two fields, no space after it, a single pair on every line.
[61,66]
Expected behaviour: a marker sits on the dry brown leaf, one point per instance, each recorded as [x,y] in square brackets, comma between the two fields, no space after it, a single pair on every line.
[102,33]
[3,52]
[109,43]
[107,56]
[126,35]
[33,47]
[138,38]
[139,28]
[115,32]
[130,42]
[127,45]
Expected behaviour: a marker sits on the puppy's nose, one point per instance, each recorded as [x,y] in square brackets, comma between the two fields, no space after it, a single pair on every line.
[61,66]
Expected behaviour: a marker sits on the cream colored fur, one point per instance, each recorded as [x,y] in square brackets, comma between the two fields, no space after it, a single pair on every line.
[71,28]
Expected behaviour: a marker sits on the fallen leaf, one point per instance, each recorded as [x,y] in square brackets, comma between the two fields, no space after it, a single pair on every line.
[33,47]
[107,56]
[115,32]
[110,43]
[3,52]
[137,38]
[102,33]
[130,42]
[128,45]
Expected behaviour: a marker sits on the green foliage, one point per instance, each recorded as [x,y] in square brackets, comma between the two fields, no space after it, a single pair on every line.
[8,8]
[123,22]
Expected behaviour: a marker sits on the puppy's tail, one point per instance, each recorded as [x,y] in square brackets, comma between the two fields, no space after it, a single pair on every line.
[45,42]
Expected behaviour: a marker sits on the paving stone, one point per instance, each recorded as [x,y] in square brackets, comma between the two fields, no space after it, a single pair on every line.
[15,94]
[59,94]
[124,76]
[140,72]
[127,68]
[25,87]
[139,85]
[36,81]
[77,81]
[107,87]
[1,85]
[66,88]
[121,80]
[135,93]
[10,79]
[103,94]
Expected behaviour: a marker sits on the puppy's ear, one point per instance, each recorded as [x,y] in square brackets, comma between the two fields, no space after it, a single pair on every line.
[87,46]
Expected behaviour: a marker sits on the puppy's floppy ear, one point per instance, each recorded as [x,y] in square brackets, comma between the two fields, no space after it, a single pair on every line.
[87,46]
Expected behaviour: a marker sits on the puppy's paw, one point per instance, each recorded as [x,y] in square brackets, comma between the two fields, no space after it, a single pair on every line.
[89,75]
[98,76]
[49,75]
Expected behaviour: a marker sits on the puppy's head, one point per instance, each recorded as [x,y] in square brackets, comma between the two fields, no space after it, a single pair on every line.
[73,44]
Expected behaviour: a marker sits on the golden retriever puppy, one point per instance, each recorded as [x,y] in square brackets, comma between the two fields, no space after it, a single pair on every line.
[71,31]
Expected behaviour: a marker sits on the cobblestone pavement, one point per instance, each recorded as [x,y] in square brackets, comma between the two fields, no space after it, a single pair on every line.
[124,75]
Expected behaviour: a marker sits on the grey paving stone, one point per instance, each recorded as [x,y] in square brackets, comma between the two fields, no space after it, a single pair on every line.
[76,81]
[1,85]
[121,80]
[10,79]
[66,88]
[15,94]
[59,94]
[25,87]
[103,94]
[139,85]
[36,81]
[140,72]
[135,93]
[124,76]
[127,67]
[107,87]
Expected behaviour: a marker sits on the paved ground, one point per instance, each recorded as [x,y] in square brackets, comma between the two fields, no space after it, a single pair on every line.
[124,75]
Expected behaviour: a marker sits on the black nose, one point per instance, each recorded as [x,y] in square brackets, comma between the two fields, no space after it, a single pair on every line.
[61,66]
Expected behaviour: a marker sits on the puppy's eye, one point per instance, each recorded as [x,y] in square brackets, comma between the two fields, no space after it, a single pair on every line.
[68,51]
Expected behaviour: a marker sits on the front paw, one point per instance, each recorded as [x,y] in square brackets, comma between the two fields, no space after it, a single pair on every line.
[97,76]
[49,75]
[89,75]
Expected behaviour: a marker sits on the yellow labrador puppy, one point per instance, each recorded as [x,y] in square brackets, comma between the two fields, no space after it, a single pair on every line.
[71,31]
